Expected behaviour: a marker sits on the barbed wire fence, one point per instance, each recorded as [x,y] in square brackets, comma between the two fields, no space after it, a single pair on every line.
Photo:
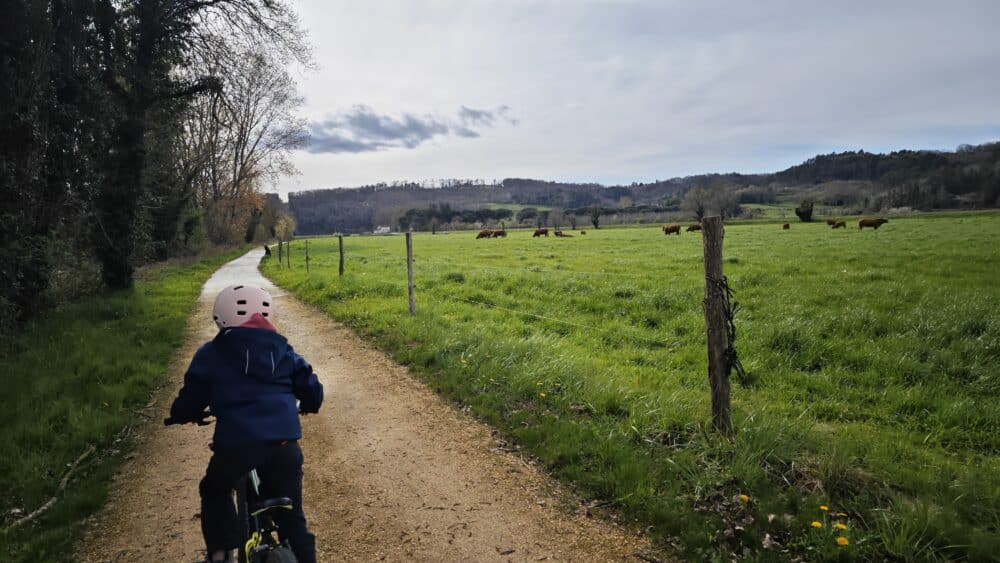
[720,307]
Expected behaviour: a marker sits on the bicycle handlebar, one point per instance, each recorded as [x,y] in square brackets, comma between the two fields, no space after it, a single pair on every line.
[201,420]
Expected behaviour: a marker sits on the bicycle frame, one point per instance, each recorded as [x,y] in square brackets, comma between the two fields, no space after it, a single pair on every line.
[259,529]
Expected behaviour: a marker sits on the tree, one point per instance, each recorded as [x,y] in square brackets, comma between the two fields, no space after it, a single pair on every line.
[95,97]
[572,220]
[241,137]
[595,216]
[526,214]
[151,86]
[556,216]
[805,211]
[696,202]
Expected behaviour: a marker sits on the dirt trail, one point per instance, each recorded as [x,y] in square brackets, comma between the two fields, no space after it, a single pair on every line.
[391,472]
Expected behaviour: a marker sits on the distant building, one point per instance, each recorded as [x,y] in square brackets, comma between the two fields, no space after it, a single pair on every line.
[382,230]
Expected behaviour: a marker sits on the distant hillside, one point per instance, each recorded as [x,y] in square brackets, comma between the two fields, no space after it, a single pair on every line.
[853,181]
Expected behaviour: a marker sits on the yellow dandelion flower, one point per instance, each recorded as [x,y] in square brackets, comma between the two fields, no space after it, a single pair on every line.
[840,526]
[816,524]
[842,541]
[824,507]
[542,395]
[744,498]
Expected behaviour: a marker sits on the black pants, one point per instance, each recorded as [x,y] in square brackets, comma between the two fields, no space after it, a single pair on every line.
[279,467]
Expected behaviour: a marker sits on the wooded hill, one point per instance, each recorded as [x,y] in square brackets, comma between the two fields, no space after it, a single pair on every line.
[852,182]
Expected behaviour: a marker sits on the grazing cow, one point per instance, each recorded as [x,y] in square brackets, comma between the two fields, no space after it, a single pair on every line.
[786,226]
[839,224]
[541,232]
[485,233]
[667,229]
[500,233]
[873,223]
[694,227]
[831,222]
[583,232]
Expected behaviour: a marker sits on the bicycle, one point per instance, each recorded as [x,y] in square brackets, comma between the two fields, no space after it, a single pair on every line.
[259,532]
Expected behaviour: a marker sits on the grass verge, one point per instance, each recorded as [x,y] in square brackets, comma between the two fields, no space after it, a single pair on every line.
[76,377]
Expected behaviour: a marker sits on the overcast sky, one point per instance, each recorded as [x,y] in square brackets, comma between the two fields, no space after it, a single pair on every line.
[622,91]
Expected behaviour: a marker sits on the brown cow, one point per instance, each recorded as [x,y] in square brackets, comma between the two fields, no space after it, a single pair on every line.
[541,232]
[873,223]
[562,234]
[694,227]
[499,233]
[667,229]
[485,233]
[786,226]
[839,224]
[831,222]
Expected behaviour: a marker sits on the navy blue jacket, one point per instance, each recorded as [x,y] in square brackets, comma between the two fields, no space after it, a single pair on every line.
[250,378]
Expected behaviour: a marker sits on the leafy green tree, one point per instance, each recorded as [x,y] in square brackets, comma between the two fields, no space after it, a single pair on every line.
[805,211]
[595,216]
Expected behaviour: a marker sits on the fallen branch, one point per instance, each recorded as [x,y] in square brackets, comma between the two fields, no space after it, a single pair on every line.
[62,485]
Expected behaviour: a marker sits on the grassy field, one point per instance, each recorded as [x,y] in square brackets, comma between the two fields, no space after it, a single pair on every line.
[77,377]
[872,401]
[515,207]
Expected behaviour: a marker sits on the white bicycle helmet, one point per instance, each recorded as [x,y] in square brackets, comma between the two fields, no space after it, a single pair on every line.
[237,303]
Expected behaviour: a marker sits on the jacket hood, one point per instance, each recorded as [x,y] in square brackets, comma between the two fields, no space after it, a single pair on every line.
[259,321]
[256,351]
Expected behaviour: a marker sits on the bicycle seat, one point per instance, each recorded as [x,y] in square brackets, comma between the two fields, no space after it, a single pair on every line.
[267,504]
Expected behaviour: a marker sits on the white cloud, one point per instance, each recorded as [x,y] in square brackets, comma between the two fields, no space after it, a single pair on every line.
[631,90]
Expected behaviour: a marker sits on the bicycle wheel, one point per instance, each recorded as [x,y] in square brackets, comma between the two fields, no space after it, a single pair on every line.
[243,517]
[280,554]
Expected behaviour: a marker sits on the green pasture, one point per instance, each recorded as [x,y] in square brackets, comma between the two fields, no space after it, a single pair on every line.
[76,377]
[515,207]
[873,386]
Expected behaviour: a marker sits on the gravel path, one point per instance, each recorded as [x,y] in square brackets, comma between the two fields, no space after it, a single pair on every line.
[392,472]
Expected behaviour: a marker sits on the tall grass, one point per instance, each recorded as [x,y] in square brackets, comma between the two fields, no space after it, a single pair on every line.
[873,359]
[76,377]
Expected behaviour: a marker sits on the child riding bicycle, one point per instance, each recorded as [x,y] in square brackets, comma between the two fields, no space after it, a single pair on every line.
[251,379]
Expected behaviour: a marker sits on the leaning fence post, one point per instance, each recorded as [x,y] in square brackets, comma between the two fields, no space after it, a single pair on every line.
[409,271]
[340,243]
[715,324]
[307,256]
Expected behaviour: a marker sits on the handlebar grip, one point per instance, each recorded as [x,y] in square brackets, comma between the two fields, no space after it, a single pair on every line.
[200,421]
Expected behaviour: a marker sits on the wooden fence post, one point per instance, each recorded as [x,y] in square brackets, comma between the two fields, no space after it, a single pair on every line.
[307,256]
[280,255]
[288,254]
[715,325]
[340,243]
[409,271]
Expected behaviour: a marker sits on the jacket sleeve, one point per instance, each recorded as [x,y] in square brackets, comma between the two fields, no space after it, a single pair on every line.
[305,385]
[195,394]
